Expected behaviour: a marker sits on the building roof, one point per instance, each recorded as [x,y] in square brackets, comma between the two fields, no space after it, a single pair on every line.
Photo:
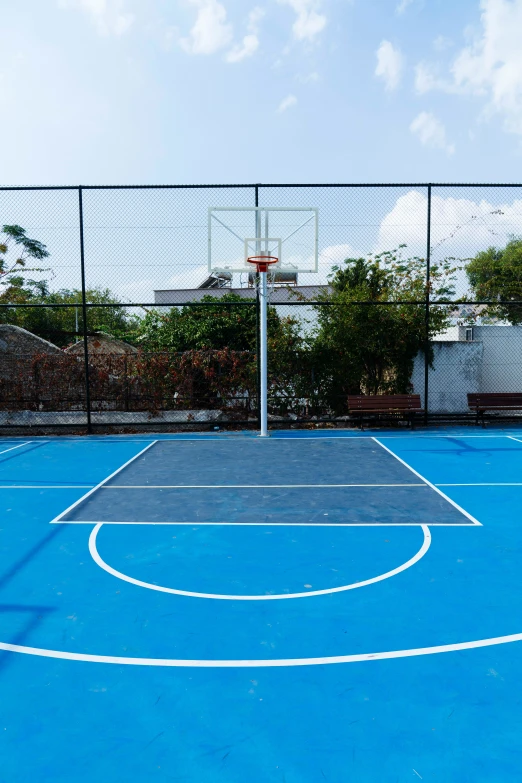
[279,295]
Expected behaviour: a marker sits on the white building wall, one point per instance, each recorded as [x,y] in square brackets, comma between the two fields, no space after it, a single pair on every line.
[502,358]
[492,362]
[456,371]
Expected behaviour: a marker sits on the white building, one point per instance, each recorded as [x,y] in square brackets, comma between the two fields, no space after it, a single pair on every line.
[486,358]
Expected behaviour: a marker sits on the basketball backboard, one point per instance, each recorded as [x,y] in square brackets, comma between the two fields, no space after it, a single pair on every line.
[289,233]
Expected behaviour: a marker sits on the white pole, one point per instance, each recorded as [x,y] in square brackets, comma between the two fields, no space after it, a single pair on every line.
[263,357]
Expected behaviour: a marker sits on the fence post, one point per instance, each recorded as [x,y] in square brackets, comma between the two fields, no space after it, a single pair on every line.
[427,312]
[84,311]
[258,332]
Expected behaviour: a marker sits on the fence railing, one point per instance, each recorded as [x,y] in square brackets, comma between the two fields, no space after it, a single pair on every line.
[108,314]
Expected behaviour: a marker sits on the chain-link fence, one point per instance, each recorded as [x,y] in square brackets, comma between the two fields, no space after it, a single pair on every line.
[110,315]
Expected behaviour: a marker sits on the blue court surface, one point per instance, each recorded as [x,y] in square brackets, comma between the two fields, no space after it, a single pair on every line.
[317,606]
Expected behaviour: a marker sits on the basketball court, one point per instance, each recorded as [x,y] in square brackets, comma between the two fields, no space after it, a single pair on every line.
[310,606]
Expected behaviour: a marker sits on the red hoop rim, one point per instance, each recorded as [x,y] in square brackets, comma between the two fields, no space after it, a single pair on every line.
[262,262]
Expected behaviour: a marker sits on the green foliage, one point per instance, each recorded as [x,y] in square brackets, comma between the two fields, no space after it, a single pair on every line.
[365,348]
[212,326]
[62,325]
[496,275]
[16,249]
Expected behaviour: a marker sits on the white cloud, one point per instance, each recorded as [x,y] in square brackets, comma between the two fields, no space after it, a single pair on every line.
[109,16]
[460,227]
[211,30]
[389,65]
[330,256]
[247,48]
[287,103]
[402,6]
[250,43]
[431,132]
[492,65]
[309,22]
[427,78]
[441,43]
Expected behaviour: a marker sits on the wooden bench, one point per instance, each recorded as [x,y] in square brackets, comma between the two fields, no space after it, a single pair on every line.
[483,402]
[404,406]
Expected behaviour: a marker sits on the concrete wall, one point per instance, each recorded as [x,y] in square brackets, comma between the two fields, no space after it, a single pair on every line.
[492,362]
[456,370]
[502,359]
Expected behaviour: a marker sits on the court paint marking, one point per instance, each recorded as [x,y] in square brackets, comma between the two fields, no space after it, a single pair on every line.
[115,473]
[119,575]
[275,662]
[434,488]
[196,525]
[15,447]
[45,486]
[497,484]
[512,437]
[251,486]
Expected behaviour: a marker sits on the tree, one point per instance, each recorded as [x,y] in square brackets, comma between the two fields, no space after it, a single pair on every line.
[496,275]
[62,325]
[216,325]
[16,249]
[368,334]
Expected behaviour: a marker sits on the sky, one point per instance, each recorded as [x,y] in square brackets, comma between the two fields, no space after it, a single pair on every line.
[240,91]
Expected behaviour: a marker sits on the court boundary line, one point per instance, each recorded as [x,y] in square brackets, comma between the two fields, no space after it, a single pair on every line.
[485,484]
[254,486]
[45,486]
[274,597]
[435,489]
[196,525]
[26,443]
[91,491]
[263,663]
[512,437]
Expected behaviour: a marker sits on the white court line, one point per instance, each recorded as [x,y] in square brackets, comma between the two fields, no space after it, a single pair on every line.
[263,663]
[45,486]
[435,489]
[251,486]
[148,585]
[87,494]
[426,436]
[484,484]
[512,437]
[196,525]
[15,447]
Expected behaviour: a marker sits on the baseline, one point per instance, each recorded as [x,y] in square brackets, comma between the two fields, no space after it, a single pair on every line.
[149,586]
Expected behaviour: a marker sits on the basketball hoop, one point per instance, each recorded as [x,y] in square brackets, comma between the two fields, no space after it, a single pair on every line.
[262,262]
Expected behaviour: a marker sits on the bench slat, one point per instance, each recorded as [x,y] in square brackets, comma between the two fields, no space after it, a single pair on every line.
[384,403]
[495,401]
